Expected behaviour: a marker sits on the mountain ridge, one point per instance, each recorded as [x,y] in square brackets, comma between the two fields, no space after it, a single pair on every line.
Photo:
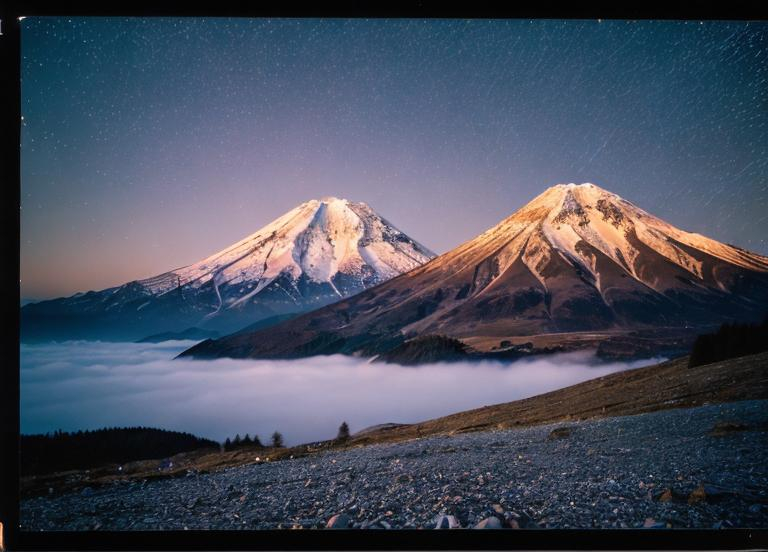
[575,258]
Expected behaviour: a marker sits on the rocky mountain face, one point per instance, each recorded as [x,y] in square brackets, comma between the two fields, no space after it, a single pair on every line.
[577,258]
[319,252]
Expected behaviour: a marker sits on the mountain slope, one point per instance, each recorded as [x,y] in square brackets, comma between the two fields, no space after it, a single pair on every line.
[576,258]
[319,252]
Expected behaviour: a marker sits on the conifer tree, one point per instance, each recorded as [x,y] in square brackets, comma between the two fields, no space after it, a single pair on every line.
[343,432]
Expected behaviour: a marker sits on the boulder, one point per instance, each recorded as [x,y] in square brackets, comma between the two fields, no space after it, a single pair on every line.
[699,494]
[559,433]
[651,523]
[489,523]
[444,521]
[339,521]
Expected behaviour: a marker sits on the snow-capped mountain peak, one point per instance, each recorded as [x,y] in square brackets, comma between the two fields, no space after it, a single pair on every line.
[581,222]
[316,253]
[318,240]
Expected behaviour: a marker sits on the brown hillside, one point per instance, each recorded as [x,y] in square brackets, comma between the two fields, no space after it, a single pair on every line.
[668,385]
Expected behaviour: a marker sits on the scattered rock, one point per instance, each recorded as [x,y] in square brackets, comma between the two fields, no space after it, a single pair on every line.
[716,494]
[370,524]
[525,521]
[514,476]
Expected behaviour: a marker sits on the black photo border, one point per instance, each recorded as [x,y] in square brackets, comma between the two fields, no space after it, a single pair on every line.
[14,539]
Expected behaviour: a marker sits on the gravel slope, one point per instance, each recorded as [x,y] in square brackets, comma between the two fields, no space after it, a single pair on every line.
[660,469]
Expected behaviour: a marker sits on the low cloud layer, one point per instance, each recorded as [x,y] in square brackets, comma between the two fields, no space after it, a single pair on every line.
[88,385]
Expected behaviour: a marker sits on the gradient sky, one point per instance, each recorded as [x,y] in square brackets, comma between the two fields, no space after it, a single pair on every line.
[148,144]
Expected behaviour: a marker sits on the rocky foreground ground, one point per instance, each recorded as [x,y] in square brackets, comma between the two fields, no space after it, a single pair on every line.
[702,467]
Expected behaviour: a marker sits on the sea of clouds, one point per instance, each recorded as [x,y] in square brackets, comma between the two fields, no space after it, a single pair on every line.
[88,385]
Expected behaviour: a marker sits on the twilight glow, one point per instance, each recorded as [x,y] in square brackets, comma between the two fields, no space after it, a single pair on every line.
[148,144]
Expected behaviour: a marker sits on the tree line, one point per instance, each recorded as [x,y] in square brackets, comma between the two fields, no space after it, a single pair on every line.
[276,441]
[60,450]
[730,341]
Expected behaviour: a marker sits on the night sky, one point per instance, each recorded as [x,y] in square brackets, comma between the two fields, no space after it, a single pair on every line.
[148,144]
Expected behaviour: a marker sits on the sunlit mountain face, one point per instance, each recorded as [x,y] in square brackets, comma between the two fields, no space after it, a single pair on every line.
[576,258]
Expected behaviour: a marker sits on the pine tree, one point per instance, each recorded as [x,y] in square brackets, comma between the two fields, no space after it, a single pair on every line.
[277,439]
[247,440]
[236,442]
[343,432]
[257,442]
[228,444]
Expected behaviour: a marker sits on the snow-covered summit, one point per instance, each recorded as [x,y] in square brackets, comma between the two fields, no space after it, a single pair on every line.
[619,229]
[317,253]
[321,242]
[584,223]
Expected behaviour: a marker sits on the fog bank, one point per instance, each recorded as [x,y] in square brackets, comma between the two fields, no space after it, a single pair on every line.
[89,385]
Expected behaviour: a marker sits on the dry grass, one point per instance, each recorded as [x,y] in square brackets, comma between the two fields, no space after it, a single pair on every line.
[668,385]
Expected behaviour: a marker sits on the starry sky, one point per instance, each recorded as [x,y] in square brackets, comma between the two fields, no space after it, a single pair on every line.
[148,144]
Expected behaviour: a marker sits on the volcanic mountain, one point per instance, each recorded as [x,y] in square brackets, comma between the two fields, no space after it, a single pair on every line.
[319,252]
[577,258]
